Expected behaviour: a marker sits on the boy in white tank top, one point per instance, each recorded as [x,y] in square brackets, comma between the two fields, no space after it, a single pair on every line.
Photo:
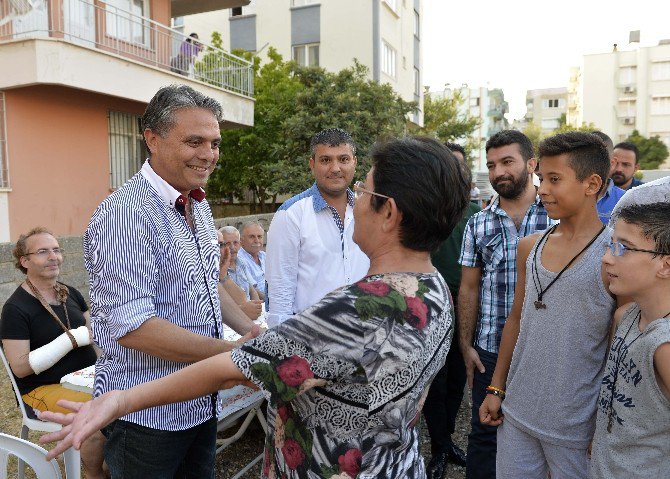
[632,436]
[555,340]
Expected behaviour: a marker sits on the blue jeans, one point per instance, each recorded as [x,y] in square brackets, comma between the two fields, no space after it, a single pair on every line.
[482,443]
[137,452]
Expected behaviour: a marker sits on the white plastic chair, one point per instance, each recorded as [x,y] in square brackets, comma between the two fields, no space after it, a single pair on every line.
[28,453]
[71,457]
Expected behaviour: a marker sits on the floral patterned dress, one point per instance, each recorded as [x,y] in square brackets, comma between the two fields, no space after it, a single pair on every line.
[346,379]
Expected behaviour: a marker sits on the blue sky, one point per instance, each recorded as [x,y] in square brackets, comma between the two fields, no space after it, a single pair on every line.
[521,45]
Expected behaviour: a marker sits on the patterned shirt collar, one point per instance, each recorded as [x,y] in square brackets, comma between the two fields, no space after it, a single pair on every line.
[495,205]
[320,203]
[166,192]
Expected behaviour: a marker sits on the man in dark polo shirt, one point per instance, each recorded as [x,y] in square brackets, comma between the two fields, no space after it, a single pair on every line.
[446,391]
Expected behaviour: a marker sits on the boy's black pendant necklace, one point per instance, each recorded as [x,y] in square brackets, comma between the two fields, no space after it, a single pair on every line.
[536,276]
[617,364]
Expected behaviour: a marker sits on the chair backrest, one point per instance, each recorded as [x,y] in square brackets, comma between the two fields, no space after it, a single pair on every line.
[29,453]
[15,387]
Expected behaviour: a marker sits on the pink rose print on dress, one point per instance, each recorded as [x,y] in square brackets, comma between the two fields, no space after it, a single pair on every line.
[294,370]
[283,413]
[293,454]
[350,462]
[417,312]
[376,288]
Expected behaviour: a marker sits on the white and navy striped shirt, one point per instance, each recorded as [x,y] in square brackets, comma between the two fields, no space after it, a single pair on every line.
[143,261]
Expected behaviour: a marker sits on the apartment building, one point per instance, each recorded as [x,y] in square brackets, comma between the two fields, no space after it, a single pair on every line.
[574,114]
[545,107]
[384,35]
[489,106]
[76,77]
[628,90]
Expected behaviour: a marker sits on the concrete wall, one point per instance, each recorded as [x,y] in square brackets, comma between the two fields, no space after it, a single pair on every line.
[73,271]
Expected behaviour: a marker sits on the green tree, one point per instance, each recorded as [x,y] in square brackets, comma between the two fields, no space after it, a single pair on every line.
[292,104]
[653,151]
[350,100]
[251,159]
[442,119]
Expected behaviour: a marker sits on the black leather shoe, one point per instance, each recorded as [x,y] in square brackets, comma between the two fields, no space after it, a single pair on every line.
[437,466]
[456,455]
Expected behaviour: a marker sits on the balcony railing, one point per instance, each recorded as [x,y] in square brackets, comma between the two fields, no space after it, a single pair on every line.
[111,29]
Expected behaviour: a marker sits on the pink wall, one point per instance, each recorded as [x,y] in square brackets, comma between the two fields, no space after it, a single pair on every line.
[58,151]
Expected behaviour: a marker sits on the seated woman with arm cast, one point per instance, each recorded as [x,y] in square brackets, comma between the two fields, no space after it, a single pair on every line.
[346,378]
[45,334]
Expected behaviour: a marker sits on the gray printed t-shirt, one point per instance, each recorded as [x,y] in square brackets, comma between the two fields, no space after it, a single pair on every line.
[639,444]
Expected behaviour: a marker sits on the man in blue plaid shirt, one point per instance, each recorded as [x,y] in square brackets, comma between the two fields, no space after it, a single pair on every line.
[488,257]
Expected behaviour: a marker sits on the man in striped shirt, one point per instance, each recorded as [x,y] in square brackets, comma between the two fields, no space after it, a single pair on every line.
[488,277]
[153,261]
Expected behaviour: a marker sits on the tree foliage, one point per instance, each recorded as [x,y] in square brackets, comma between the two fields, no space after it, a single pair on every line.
[653,152]
[292,104]
[442,118]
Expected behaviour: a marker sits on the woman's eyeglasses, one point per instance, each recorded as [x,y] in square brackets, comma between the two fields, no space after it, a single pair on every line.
[359,189]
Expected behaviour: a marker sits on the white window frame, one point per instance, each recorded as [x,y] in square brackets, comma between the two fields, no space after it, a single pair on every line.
[4,161]
[127,151]
[302,3]
[660,105]
[417,81]
[389,60]
[627,75]
[660,71]
[246,10]
[307,49]
[393,5]
[417,25]
[132,33]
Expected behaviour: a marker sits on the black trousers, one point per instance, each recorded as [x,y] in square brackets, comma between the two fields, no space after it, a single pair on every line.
[444,398]
[482,441]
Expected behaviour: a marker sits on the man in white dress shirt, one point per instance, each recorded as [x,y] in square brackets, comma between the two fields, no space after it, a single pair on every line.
[310,249]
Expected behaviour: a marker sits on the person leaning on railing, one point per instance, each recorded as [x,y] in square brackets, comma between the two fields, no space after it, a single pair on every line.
[188,51]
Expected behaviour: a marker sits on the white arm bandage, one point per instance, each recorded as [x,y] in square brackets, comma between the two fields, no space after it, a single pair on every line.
[43,358]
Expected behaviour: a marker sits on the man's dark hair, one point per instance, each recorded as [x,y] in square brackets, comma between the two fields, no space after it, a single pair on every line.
[456,147]
[428,185]
[510,137]
[627,145]
[159,114]
[608,141]
[466,168]
[331,137]
[587,153]
[653,219]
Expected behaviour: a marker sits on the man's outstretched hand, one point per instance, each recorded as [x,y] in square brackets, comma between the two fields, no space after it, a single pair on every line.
[86,419]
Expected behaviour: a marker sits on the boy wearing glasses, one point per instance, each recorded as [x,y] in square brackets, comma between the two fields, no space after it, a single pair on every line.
[555,339]
[632,437]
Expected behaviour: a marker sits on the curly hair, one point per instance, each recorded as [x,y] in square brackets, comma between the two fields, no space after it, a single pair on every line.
[21,248]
